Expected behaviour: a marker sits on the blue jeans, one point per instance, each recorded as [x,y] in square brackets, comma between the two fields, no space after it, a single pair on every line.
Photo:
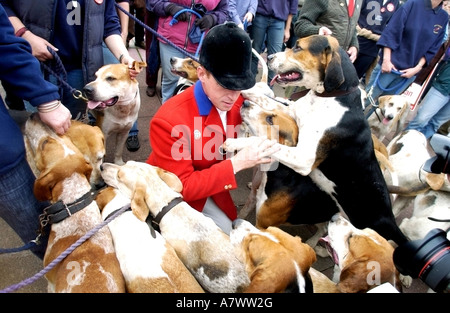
[266,31]
[109,58]
[387,81]
[19,207]
[433,112]
[169,79]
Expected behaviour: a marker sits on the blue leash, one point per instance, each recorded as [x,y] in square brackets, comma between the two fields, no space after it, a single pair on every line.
[68,251]
[29,245]
[398,87]
[174,21]
[156,33]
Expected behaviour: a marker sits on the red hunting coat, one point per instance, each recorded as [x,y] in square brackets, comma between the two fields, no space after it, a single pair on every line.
[185,135]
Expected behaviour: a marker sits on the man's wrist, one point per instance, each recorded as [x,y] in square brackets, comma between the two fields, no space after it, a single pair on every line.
[21,31]
[49,107]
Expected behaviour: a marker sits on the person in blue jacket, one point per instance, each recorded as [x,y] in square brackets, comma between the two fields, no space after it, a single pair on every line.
[374,16]
[18,206]
[410,40]
[75,30]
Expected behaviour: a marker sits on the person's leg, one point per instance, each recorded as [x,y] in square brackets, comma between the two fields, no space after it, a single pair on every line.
[169,80]
[138,29]
[362,64]
[275,36]
[439,119]
[258,35]
[19,207]
[152,52]
[212,211]
[433,102]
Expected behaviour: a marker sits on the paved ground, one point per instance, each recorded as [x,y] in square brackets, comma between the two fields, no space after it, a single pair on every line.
[17,267]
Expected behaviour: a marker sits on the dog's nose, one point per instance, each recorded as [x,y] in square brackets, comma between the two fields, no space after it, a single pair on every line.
[270,57]
[88,90]
[246,104]
[172,60]
[100,185]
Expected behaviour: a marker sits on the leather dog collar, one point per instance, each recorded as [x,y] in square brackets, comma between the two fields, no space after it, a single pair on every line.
[335,93]
[157,219]
[59,211]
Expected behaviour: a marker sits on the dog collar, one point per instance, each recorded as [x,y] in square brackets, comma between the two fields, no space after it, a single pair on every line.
[335,93]
[157,219]
[59,211]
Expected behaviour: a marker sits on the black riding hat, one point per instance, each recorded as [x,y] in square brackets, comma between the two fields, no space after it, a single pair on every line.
[226,52]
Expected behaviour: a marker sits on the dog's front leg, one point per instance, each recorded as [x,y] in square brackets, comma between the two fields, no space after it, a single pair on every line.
[120,141]
[236,144]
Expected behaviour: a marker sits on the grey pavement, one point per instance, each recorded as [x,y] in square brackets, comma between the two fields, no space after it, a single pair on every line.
[24,267]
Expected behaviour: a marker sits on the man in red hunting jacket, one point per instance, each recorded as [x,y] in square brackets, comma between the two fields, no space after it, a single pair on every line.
[188,129]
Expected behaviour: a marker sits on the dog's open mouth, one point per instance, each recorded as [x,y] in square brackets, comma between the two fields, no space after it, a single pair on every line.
[99,105]
[179,73]
[326,242]
[387,120]
[287,77]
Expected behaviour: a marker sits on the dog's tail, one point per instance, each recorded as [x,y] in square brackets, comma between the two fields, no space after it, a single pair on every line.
[410,192]
[265,69]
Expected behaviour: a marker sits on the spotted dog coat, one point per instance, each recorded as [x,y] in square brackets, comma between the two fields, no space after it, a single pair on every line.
[333,166]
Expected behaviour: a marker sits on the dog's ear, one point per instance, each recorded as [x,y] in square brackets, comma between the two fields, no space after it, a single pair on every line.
[138,203]
[43,186]
[353,278]
[137,66]
[382,101]
[435,181]
[170,179]
[334,75]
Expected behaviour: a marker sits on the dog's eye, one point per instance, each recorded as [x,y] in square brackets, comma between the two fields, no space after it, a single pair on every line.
[269,119]
[297,48]
[110,78]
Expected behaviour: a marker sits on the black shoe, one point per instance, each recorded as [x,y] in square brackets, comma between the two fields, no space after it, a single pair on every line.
[133,143]
[151,91]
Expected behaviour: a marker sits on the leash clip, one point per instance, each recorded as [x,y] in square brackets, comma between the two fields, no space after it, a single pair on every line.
[77,94]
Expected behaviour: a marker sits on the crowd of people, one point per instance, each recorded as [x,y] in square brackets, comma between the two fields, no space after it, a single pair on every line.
[388,46]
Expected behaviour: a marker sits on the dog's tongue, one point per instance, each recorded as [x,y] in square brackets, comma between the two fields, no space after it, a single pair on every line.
[272,82]
[386,121]
[93,104]
[331,252]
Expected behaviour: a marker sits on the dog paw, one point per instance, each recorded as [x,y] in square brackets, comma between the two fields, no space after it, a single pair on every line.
[406,280]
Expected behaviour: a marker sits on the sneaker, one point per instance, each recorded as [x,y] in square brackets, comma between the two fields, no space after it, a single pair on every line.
[133,143]
[150,91]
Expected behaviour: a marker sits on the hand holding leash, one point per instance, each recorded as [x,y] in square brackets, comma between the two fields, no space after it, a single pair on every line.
[206,22]
[172,9]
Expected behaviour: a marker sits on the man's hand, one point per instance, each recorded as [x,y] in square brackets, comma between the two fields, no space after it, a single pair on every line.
[206,22]
[172,9]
